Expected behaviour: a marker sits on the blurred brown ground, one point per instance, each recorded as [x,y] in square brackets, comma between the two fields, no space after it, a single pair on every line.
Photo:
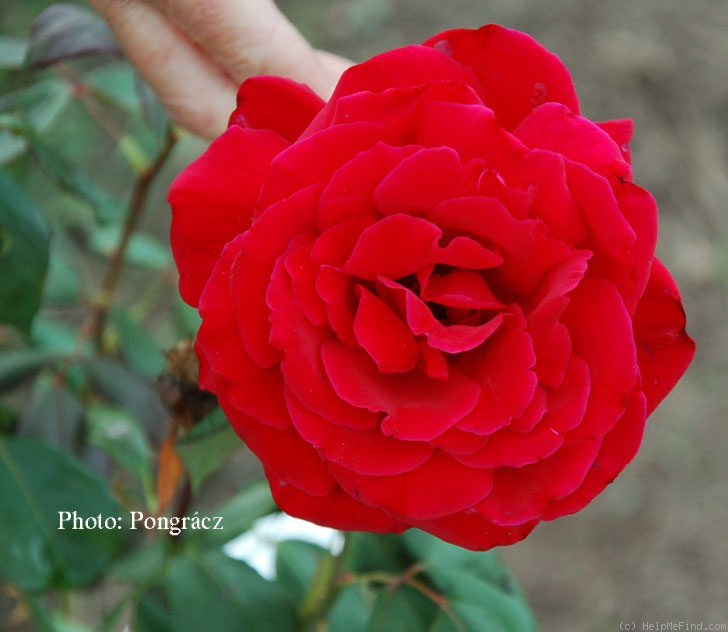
[654,546]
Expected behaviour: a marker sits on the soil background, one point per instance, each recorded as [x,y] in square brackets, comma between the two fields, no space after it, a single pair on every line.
[654,547]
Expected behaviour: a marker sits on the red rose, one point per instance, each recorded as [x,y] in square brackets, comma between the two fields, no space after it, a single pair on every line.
[433,301]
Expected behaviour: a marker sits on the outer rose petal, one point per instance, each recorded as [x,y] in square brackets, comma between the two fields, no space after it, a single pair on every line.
[552,126]
[276,103]
[617,449]
[517,73]
[227,369]
[213,200]
[420,494]
[337,509]
[406,67]
[664,350]
[475,532]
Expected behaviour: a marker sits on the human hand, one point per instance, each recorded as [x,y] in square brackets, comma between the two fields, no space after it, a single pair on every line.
[195,54]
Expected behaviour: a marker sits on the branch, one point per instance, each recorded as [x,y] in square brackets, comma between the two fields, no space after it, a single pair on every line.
[95,323]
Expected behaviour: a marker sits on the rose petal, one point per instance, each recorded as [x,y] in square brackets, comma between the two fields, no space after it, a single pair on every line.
[640,210]
[550,338]
[620,131]
[417,407]
[473,531]
[213,200]
[301,366]
[227,369]
[523,493]
[303,274]
[420,182]
[276,103]
[554,202]
[472,131]
[287,456]
[337,509]
[535,411]
[432,361]
[515,449]
[664,350]
[567,403]
[464,252]
[601,334]
[314,159]
[370,453]
[618,448]
[381,333]
[611,237]
[261,245]
[517,74]
[554,127]
[448,338]
[503,366]
[460,288]
[399,108]
[487,218]
[350,190]
[382,251]
[335,244]
[337,291]
[419,493]
[402,68]
[422,322]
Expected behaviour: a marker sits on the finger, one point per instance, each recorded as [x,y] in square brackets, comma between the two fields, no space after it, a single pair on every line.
[197,94]
[252,37]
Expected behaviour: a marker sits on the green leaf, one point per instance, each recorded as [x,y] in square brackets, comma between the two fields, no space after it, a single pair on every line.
[39,104]
[121,436]
[24,239]
[16,366]
[64,31]
[296,564]
[114,84]
[377,552]
[67,175]
[12,52]
[151,615]
[56,338]
[352,609]
[137,346]
[143,249]
[38,482]
[153,111]
[206,448]
[242,599]
[129,391]
[238,515]
[8,418]
[52,413]
[63,283]
[50,621]
[479,589]
[143,565]
[403,609]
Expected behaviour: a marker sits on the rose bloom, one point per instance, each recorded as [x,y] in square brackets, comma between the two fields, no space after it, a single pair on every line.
[433,301]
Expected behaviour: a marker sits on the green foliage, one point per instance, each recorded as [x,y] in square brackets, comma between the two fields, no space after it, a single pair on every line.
[242,599]
[206,448]
[35,553]
[24,237]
